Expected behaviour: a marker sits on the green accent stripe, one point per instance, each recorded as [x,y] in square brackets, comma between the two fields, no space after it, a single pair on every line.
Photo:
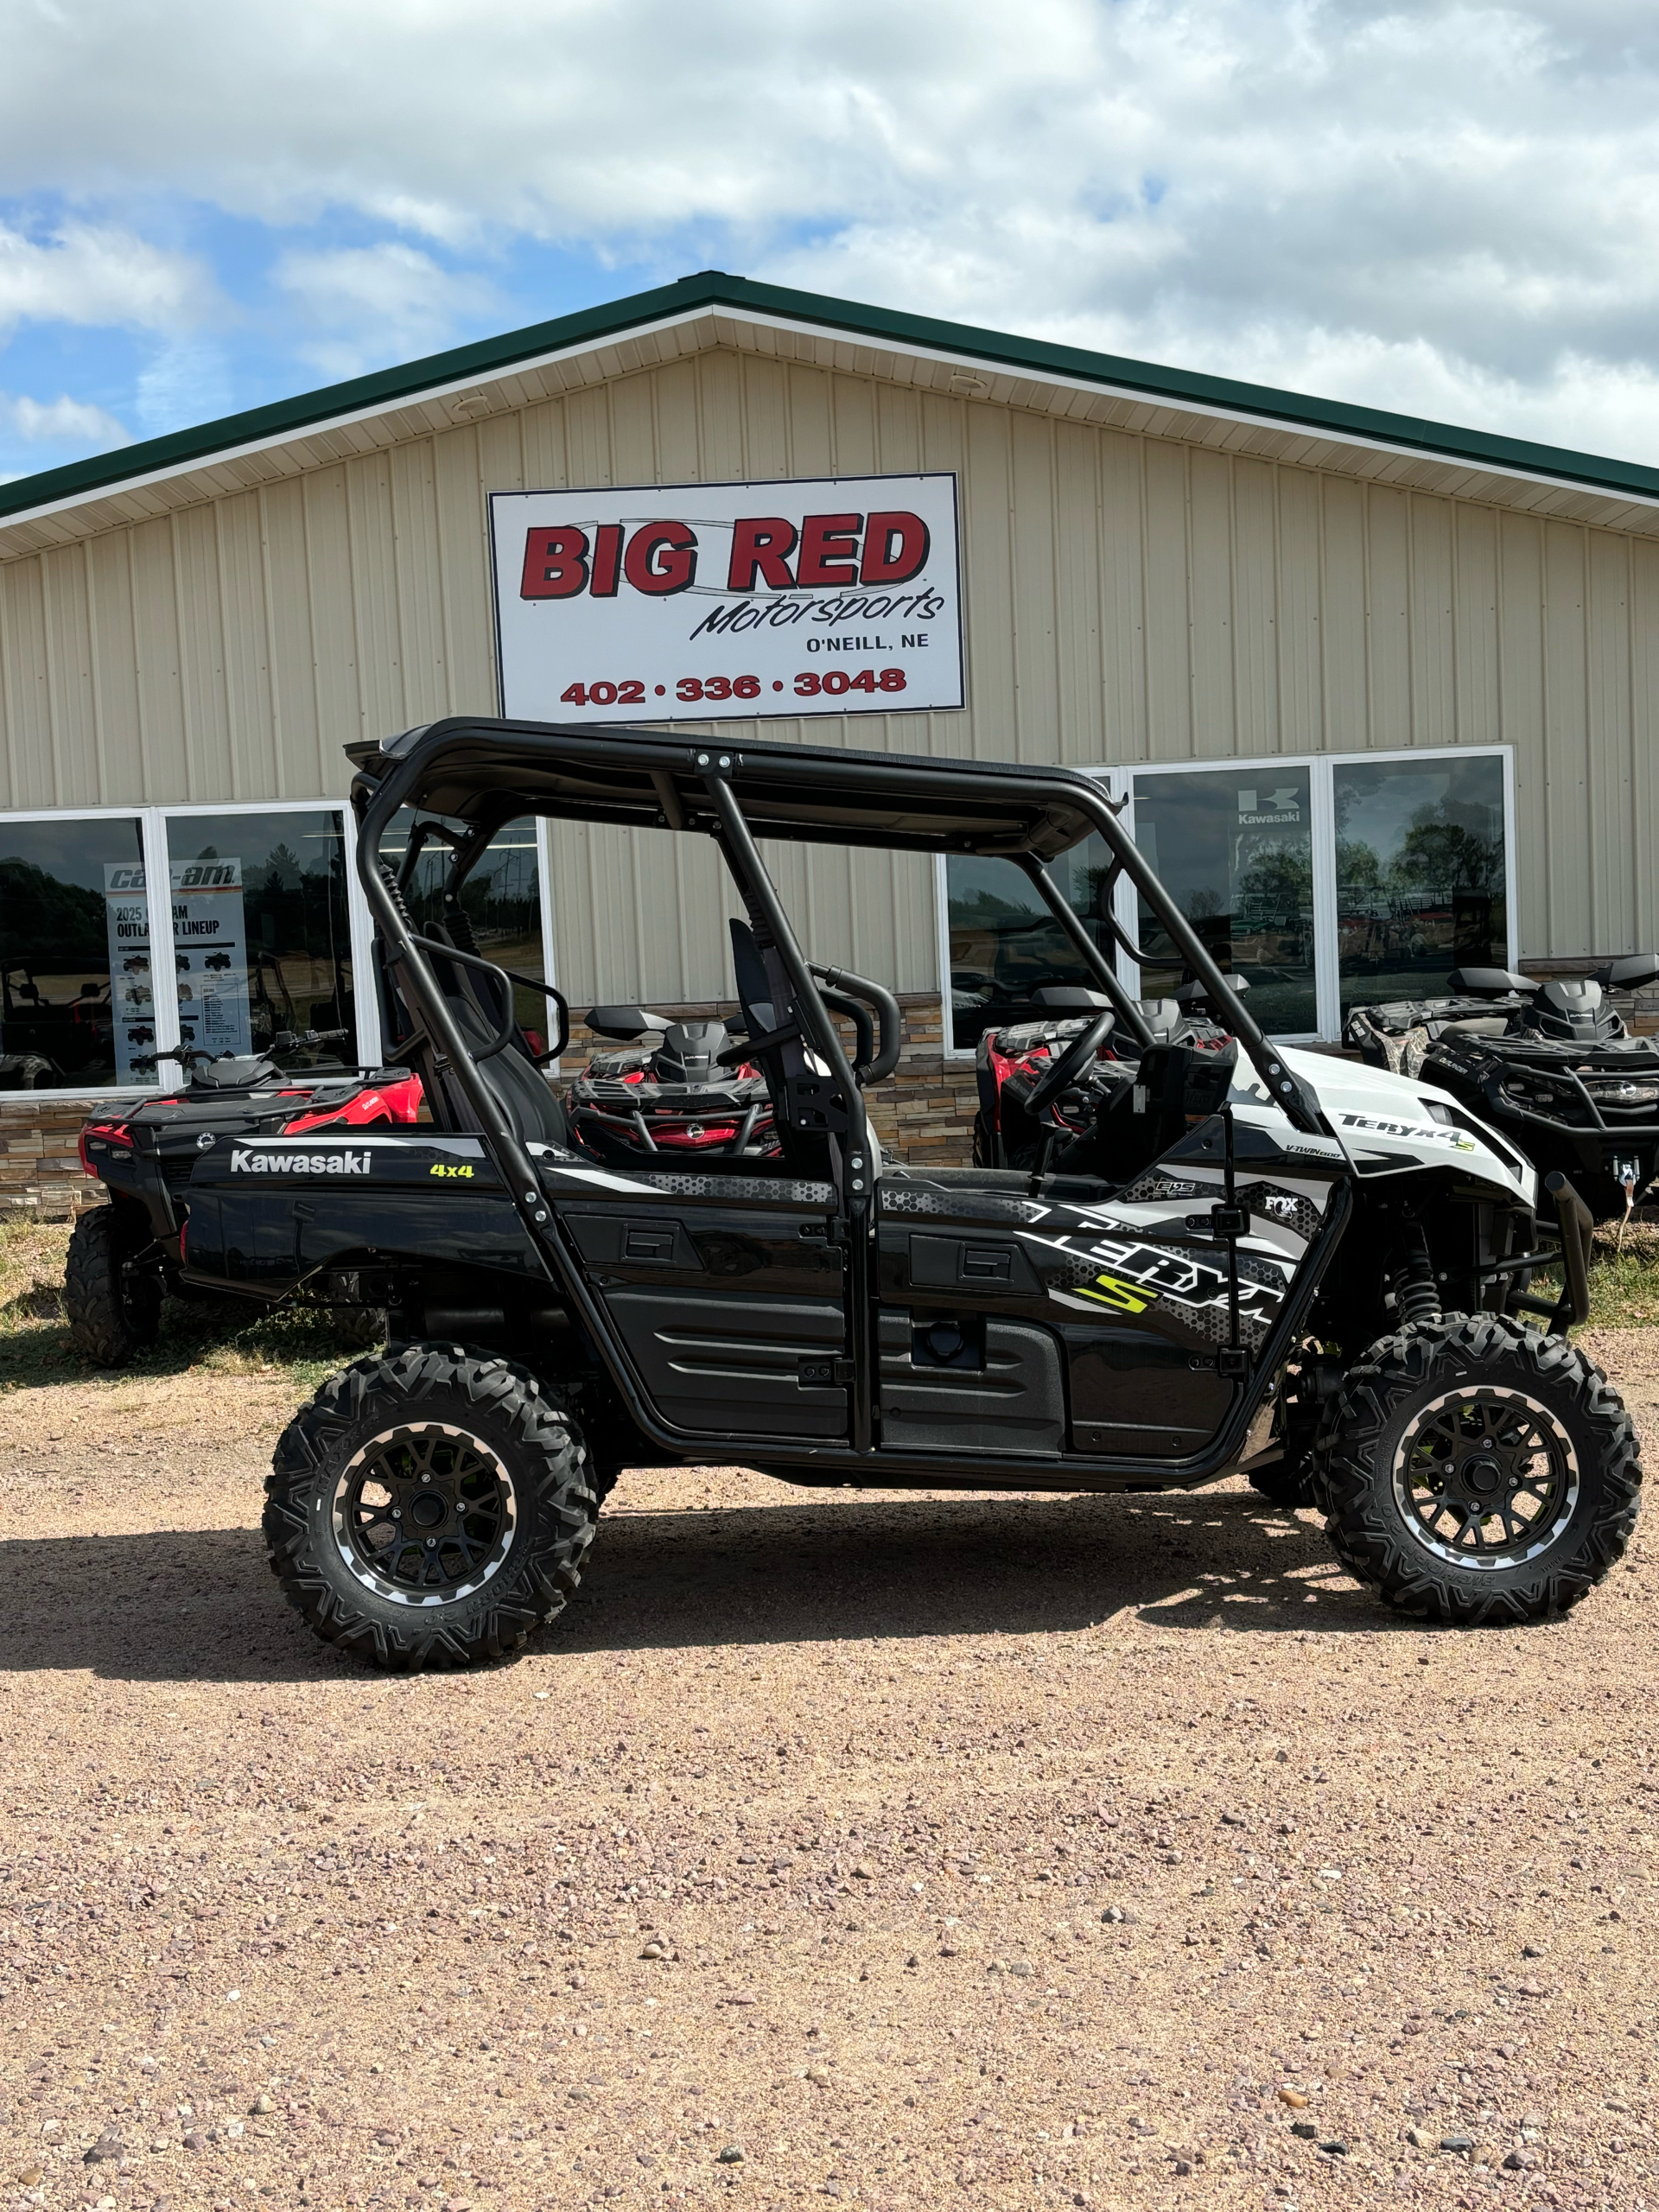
[490,357]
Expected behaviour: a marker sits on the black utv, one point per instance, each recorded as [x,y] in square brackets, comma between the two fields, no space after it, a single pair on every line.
[1255,1257]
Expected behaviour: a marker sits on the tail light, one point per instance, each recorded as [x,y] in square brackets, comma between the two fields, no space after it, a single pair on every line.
[115,1134]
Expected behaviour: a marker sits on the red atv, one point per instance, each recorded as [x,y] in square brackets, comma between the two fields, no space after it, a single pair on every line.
[1043,1084]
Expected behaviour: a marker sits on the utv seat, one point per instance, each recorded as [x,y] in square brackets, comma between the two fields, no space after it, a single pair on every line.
[534,1110]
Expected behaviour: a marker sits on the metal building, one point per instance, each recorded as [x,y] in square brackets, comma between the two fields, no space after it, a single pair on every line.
[1380,693]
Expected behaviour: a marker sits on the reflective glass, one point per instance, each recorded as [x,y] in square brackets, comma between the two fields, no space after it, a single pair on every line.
[261,941]
[1005,943]
[1420,880]
[1234,849]
[74,944]
[501,900]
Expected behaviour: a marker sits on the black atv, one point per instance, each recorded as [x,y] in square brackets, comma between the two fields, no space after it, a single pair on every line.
[1551,1064]
[126,1257]
[1259,1258]
[693,1094]
[1044,1083]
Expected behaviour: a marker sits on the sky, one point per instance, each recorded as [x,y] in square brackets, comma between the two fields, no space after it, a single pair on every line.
[1450,211]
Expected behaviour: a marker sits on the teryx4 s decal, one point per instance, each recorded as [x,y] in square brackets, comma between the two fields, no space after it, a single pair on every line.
[1127,1277]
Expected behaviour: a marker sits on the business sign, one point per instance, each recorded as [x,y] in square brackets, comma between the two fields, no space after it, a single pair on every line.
[209,956]
[684,602]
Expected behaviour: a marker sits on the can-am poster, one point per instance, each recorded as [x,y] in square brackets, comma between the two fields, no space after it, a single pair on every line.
[685,602]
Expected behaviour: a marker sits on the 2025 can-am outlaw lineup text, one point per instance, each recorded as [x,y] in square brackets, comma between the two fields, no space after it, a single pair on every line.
[1254,1254]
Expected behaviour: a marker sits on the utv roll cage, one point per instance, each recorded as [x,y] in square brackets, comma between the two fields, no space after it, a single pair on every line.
[484,774]
[480,774]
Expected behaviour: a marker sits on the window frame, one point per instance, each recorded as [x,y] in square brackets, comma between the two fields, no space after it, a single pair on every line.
[1321,767]
[153,821]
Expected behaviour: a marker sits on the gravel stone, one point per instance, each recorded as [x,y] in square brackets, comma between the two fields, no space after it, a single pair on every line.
[432,1897]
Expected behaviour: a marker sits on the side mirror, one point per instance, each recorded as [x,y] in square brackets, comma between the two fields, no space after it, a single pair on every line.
[1631,974]
[1489,982]
[625,1023]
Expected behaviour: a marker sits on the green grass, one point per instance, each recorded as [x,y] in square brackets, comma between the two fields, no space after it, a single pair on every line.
[1624,1285]
[227,1337]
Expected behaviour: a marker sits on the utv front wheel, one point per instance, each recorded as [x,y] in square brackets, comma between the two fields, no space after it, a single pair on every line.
[1479,1472]
[114,1310]
[429,1508]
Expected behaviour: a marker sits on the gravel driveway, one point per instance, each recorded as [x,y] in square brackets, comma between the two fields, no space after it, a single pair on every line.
[895,1851]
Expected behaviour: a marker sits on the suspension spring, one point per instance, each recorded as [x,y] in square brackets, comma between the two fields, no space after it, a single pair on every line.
[1416,1295]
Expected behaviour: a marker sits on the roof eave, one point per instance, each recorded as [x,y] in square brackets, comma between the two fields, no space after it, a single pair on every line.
[54,491]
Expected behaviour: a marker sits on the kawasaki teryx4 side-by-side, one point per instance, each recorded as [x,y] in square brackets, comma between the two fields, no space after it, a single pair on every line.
[1331,1276]
[1549,1063]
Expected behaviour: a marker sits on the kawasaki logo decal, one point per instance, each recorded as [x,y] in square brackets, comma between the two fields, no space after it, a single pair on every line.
[300,1163]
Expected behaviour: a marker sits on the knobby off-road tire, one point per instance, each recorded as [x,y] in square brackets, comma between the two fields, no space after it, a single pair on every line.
[429,1508]
[112,1315]
[1477,1471]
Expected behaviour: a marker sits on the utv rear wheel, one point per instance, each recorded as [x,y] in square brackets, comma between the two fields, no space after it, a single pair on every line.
[429,1508]
[114,1309]
[1479,1472]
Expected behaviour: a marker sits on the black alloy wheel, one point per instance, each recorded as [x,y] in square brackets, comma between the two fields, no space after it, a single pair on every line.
[1485,1478]
[423,1514]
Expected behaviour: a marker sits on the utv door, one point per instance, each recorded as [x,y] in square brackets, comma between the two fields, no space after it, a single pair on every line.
[728,1292]
[1102,1316]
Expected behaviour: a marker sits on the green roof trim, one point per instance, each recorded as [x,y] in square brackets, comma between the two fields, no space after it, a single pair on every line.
[713,287]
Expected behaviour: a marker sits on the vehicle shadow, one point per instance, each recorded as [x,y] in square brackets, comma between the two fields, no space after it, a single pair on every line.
[200,1604]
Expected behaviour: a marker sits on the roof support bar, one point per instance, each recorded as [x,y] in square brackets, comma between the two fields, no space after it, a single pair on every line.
[1129,1012]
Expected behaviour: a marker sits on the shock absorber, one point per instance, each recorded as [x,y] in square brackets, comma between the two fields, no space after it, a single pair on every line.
[1416,1296]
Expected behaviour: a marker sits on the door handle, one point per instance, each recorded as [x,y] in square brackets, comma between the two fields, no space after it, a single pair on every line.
[987,1263]
[648,1244]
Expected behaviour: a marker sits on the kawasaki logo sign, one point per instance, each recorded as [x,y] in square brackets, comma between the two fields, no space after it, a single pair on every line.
[243,1162]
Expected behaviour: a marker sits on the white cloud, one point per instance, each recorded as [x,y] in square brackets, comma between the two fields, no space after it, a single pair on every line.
[1432,204]
[64,421]
[361,306]
[87,274]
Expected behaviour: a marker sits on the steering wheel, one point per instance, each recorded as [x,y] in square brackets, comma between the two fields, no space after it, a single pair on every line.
[1071,1062]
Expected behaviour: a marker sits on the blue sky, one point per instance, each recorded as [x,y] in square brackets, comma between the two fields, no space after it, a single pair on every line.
[1450,210]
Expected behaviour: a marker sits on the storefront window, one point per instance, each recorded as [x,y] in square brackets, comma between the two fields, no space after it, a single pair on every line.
[501,900]
[1234,848]
[1420,880]
[1005,944]
[73,940]
[261,941]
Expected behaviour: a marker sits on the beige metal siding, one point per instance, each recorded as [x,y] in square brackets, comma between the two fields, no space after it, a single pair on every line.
[1130,598]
